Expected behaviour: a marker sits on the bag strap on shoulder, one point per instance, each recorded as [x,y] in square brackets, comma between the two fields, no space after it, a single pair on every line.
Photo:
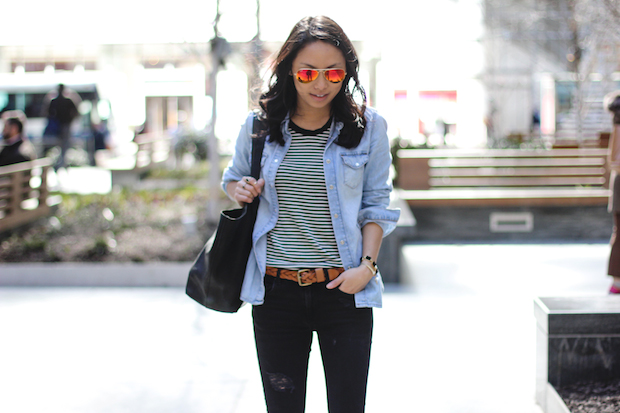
[258,143]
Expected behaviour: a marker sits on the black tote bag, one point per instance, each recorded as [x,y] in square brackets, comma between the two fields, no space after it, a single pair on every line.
[216,276]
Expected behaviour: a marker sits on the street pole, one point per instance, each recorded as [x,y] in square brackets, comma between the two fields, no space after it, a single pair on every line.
[257,54]
[213,205]
[219,50]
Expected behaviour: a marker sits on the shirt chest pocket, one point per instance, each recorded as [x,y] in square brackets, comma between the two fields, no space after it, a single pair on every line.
[353,166]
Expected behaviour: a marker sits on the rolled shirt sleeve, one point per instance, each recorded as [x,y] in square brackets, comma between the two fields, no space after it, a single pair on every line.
[377,182]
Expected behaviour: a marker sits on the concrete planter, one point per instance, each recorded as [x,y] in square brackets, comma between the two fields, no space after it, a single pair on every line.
[554,403]
[152,274]
[577,339]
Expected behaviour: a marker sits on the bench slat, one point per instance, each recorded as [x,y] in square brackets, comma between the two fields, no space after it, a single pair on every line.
[509,181]
[474,172]
[501,153]
[520,162]
[506,197]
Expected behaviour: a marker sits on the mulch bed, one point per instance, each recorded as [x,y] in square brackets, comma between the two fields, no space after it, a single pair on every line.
[139,226]
[592,397]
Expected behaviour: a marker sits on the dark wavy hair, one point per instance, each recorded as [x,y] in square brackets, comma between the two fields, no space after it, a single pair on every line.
[281,98]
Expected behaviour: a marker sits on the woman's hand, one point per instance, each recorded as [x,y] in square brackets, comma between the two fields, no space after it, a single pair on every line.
[245,190]
[352,281]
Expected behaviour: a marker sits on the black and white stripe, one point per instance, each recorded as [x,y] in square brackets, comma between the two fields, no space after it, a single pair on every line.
[303,236]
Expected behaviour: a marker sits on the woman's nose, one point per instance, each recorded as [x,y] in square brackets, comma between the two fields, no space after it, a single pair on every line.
[320,82]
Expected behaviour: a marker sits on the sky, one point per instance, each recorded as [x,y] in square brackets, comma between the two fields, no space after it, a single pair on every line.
[421,43]
[75,22]
[122,21]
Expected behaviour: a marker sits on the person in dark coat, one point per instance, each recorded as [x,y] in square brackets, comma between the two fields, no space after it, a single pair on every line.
[16,147]
[62,111]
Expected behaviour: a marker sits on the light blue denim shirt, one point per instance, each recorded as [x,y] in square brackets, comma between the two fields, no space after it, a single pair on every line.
[358,192]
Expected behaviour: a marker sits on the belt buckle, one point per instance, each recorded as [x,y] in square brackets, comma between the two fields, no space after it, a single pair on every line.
[299,273]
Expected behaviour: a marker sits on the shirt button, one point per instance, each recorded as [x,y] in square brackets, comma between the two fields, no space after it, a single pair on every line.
[331,187]
[342,242]
[275,161]
[357,164]
[328,161]
[335,215]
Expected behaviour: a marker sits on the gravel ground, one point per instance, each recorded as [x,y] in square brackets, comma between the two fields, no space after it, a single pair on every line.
[592,397]
[123,226]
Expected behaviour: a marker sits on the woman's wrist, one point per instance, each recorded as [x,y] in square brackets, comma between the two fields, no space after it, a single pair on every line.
[368,262]
[369,267]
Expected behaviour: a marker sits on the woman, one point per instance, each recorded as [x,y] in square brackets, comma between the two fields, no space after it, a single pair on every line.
[324,193]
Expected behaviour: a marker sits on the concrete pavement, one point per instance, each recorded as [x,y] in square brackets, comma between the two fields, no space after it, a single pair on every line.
[458,337]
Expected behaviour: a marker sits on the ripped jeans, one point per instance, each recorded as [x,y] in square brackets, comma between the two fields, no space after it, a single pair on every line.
[283,328]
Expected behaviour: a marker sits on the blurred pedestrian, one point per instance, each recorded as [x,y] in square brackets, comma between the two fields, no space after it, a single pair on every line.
[61,113]
[97,141]
[612,101]
[17,148]
[324,191]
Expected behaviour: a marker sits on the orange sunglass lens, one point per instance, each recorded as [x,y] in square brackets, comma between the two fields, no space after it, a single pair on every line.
[307,75]
[334,75]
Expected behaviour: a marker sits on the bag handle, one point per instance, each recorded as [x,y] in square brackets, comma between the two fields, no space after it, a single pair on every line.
[258,143]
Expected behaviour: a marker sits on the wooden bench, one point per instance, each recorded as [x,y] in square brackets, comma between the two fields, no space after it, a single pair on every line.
[24,196]
[503,177]
[495,195]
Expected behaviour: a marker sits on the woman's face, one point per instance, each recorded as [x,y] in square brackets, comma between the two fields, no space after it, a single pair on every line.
[318,94]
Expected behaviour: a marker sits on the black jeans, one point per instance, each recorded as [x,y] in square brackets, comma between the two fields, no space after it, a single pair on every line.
[283,328]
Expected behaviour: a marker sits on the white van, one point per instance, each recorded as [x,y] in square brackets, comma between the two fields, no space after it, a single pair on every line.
[102,101]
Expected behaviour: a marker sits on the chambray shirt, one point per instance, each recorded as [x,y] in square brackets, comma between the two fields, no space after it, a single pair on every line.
[358,192]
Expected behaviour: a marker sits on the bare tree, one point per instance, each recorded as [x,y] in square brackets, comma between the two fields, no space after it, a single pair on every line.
[580,36]
[595,38]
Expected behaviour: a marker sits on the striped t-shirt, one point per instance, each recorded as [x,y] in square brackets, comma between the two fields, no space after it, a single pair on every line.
[303,236]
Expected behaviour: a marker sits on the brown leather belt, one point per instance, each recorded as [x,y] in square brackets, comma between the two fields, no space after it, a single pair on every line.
[306,277]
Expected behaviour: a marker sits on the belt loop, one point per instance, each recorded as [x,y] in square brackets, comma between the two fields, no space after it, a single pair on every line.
[278,273]
[325,274]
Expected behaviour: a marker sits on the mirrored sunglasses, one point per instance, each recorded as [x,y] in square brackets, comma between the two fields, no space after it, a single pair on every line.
[310,75]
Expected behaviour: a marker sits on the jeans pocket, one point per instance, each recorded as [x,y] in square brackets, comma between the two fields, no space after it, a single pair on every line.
[345,293]
[270,283]
[346,299]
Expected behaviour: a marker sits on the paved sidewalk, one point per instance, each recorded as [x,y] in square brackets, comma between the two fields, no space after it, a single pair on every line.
[459,337]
